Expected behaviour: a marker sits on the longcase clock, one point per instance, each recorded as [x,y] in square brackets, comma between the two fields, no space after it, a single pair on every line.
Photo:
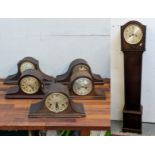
[133,45]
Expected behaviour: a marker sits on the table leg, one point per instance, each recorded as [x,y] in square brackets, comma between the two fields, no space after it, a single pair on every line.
[85,133]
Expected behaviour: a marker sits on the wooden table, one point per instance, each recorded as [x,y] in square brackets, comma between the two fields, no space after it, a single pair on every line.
[14,115]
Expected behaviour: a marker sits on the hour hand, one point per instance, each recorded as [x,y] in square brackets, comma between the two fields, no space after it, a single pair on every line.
[56,106]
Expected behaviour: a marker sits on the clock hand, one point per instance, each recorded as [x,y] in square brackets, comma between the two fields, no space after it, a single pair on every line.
[56,105]
[31,87]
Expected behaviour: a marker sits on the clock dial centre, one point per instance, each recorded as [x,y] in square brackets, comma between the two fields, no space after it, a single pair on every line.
[29,85]
[133,34]
[82,86]
[56,102]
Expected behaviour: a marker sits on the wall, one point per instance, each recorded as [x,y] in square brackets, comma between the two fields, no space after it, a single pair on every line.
[55,43]
[148,72]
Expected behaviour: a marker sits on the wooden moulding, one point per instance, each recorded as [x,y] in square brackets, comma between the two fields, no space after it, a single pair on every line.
[65,78]
[13,79]
[38,110]
[73,110]
[97,94]
[16,93]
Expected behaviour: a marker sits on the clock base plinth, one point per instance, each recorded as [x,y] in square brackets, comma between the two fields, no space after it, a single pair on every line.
[97,94]
[132,120]
[37,110]
[14,93]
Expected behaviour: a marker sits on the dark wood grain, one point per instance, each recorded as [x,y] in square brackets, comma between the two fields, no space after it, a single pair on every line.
[133,54]
[14,114]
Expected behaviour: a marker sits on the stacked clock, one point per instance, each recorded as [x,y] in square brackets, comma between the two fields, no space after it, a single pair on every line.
[30,85]
[81,81]
[76,66]
[26,64]
[133,46]
[56,94]
[55,97]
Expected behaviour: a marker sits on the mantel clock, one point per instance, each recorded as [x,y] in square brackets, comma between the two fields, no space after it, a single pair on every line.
[23,65]
[57,103]
[30,85]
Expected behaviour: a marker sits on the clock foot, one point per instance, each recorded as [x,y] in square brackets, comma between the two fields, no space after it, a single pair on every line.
[132,121]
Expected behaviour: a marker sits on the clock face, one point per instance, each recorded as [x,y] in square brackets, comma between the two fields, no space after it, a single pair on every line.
[56,102]
[80,67]
[133,34]
[26,65]
[29,85]
[82,86]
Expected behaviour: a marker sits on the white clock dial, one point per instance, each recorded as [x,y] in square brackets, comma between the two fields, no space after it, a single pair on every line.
[133,34]
[26,65]
[29,85]
[82,86]
[80,67]
[56,102]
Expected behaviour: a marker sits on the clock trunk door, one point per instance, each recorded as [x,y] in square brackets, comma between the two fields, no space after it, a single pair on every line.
[132,66]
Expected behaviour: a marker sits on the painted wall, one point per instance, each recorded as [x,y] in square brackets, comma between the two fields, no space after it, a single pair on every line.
[55,43]
[148,72]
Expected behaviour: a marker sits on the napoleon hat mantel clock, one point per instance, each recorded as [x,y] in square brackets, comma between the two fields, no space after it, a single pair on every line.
[81,81]
[133,45]
[78,65]
[23,65]
[57,103]
[30,85]
[82,86]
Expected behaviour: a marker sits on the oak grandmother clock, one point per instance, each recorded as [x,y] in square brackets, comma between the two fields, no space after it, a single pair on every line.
[133,45]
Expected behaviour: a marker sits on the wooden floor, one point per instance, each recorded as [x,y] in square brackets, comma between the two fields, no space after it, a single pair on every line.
[14,114]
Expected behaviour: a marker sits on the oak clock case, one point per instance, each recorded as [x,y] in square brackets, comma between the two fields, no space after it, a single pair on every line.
[23,65]
[57,103]
[82,87]
[30,86]
[80,65]
[133,45]
[81,82]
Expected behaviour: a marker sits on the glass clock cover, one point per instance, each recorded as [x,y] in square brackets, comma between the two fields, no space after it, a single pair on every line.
[82,86]
[133,34]
[29,85]
[26,65]
[56,102]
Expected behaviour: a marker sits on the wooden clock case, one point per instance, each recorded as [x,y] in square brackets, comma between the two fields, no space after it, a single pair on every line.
[68,77]
[65,78]
[132,112]
[40,110]
[16,93]
[13,79]
[94,94]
